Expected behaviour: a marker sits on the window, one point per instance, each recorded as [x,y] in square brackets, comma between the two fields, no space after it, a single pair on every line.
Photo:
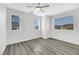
[37,23]
[65,23]
[15,22]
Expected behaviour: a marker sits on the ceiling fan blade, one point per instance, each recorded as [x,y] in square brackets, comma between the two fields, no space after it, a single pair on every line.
[31,7]
[44,6]
[41,10]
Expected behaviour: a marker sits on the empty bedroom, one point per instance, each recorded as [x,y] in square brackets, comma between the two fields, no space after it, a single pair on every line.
[39,28]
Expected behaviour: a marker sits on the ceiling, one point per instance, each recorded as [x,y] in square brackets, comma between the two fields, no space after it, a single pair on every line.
[53,9]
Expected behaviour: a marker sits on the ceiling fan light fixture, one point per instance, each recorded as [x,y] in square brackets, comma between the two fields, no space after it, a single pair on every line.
[38,9]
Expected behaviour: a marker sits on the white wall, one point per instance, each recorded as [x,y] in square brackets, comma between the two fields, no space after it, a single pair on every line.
[71,36]
[43,27]
[27,32]
[2,28]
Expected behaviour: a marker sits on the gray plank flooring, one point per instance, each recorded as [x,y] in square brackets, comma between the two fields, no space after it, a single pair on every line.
[42,47]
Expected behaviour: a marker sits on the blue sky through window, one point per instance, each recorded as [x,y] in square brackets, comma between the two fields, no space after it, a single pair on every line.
[15,19]
[64,20]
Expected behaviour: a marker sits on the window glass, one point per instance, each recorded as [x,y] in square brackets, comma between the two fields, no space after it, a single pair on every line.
[15,22]
[65,23]
[37,23]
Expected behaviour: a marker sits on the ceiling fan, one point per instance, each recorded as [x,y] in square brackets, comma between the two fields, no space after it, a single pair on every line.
[39,7]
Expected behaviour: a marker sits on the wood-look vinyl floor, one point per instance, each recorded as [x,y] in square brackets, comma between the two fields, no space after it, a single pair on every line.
[42,47]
